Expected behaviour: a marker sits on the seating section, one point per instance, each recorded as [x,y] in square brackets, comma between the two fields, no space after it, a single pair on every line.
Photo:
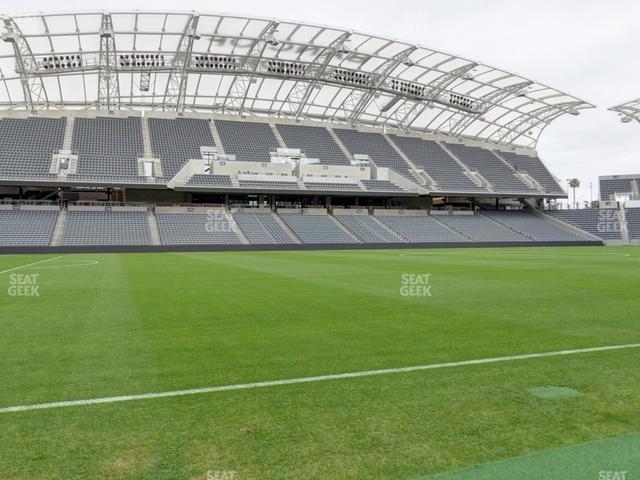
[480,229]
[609,187]
[603,223]
[212,181]
[420,229]
[262,228]
[214,228]
[331,186]
[177,141]
[491,168]
[26,227]
[381,186]
[377,147]
[106,228]
[316,228]
[108,148]
[27,145]
[532,226]
[367,229]
[437,163]
[633,223]
[248,141]
[314,142]
[217,227]
[536,169]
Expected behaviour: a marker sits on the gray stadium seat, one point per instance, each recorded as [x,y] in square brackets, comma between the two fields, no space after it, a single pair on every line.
[316,228]
[491,168]
[603,223]
[175,141]
[196,229]
[536,169]
[108,148]
[367,229]
[377,147]
[633,223]
[315,142]
[262,228]
[437,163]
[420,229]
[248,141]
[532,226]
[480,228]
[28,145]
[26,227]
[106,228]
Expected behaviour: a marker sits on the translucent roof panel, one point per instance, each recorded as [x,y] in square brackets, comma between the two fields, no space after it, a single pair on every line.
[201,62]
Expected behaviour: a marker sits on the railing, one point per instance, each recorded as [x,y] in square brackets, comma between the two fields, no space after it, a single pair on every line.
[109,204]
[43,203]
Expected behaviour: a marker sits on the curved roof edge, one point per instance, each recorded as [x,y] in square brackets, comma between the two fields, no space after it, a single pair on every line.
[629,111]
[230,64]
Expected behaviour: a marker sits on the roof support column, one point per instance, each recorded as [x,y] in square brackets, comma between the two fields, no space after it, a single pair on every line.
[108,82]
[174,97]
[33,88]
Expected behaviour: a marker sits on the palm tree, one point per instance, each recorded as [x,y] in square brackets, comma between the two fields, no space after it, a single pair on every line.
[573,184]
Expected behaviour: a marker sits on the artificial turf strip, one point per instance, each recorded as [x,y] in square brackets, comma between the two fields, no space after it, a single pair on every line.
[615,458]
[158,322]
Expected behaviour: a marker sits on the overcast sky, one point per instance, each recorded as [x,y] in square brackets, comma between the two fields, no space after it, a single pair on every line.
[586,48]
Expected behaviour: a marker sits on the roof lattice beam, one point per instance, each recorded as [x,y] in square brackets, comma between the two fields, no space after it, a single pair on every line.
[384,73]
[541,116]
[301,92]
[108,81]
[35,93]
[174,95]
[487,102]
[239,89]
[405,117]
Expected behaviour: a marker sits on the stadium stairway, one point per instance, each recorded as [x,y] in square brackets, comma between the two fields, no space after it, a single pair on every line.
[425,180]
[475,177]
[624,230]
[286,228]
[153,228]
[58,230]
[342,146]
[502,224]
[453,229]
[395,234]
[346,230]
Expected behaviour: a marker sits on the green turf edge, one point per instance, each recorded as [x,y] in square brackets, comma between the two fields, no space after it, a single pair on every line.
[613,458]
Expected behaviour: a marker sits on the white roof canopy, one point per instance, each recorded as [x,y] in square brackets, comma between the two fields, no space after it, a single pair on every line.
[630,111]
[254,66]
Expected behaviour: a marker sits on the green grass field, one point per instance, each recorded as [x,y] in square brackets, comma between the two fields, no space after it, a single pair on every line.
[121,324]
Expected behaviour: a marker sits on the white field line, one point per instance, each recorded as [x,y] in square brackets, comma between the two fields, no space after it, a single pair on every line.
[294,381]
[87,263]
[30,265]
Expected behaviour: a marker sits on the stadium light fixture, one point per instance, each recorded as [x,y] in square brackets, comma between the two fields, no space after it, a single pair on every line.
[271,39]
[406,61]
